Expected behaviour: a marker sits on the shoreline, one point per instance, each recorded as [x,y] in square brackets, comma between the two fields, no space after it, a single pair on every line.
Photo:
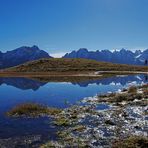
[124,118]
[67,74]
[84,124]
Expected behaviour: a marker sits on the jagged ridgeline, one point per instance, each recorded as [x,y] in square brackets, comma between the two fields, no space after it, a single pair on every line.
[122,56]
[25,54]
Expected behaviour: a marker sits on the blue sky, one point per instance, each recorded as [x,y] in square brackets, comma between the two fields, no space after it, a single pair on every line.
[59,26]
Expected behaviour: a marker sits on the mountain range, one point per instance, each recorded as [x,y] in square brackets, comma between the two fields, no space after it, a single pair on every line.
[21,55]
[24,54]
[122,56]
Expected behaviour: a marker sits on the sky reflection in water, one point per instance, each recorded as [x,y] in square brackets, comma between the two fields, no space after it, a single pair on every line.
[15,91]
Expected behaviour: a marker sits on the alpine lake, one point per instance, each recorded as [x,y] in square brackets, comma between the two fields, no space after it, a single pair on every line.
[33,132]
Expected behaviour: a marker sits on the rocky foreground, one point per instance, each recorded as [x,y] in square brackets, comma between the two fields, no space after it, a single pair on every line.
[112,120]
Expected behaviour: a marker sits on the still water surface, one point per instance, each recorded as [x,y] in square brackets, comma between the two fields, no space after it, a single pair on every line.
[14,91]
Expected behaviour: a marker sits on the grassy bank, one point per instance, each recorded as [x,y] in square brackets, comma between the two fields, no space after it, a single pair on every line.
[32,110]
[71,66]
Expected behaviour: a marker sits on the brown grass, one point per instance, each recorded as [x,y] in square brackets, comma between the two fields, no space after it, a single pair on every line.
[32,109]
[131,142]
[74,65]
[132,89]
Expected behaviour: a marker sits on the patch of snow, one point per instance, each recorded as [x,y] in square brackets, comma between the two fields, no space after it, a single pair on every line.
[138,56]
[138,77]
[118,84]
[132,83]
[113,83]
[119,90]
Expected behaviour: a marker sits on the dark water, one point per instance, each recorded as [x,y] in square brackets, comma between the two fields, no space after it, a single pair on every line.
[14,91]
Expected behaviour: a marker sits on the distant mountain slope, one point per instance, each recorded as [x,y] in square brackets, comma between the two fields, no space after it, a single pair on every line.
[21,55]
[122,57]
[72,65]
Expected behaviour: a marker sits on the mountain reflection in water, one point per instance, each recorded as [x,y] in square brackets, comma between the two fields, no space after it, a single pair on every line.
[22,83]
[51,92]
[35,84]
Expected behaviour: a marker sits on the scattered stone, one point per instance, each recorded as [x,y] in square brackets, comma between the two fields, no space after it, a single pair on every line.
[85,126]
[109,122]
